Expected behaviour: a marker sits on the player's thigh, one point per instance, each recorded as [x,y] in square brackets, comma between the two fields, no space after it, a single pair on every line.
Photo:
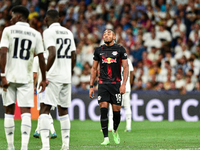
[9,96]
[40,97]
[116,97]
[126,99]
[25,95]
[51,94]
[103,93]
[64,99]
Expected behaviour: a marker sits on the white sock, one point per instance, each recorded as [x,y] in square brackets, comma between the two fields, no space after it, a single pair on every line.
[44,130]
[51,124]
[110,117]
[128,117]
[65,129]
[9,126]
[106,138]
[38,127]
[25,130]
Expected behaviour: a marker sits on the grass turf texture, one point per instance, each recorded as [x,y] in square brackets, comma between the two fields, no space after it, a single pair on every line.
[144,135]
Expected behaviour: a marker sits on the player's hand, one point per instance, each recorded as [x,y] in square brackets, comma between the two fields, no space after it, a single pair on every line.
[122,89]
[91,93]
[4,83]
[43,85]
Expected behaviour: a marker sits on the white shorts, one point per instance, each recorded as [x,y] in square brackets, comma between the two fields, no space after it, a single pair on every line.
[57,94]
[23,93]
[126,99]
[40,96]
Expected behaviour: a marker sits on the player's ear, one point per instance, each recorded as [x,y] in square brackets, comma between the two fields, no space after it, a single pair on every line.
[45,20]
[59,19]
[114,36]
[19,17]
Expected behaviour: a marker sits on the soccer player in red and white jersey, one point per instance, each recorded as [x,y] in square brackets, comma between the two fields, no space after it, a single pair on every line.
[19,42]
[110,57]
[59,41]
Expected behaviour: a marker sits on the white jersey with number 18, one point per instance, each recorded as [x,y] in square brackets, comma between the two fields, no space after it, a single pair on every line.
[22,41]
[63,40]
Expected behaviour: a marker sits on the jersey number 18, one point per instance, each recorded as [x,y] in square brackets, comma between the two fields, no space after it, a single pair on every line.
[25,45]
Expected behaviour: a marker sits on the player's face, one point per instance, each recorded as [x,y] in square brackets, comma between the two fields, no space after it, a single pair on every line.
[108,36]
[15,18]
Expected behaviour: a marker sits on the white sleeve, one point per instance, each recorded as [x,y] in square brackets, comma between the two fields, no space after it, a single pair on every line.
[48,39]
[39,44]
[5,38]
[35,64]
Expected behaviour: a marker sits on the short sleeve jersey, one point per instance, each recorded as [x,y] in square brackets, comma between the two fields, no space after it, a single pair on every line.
[22,42]
[63,40]
[110,62]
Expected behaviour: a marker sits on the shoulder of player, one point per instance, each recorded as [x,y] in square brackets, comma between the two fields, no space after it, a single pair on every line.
[98,47]
[119,47]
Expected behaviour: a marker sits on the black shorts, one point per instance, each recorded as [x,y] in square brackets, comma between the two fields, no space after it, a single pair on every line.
[109,93]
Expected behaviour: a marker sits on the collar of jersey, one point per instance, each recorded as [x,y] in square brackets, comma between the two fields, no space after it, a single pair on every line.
[54,24]
[23,24]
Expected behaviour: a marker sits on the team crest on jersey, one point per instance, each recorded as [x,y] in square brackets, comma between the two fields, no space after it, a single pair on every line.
[114,53]
[125,54]
[99,98]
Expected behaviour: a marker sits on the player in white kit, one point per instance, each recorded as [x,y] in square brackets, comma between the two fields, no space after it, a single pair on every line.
[19,42]
[125,101]
[59,41]
[37,76]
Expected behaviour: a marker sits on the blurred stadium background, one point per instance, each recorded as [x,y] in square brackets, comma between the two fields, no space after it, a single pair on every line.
[162,39]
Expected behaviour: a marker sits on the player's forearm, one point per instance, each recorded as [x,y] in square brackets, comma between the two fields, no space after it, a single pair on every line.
[51,58]
[93,76]
[73,60]
[3,61]
[125,75]
[42,66]
[131,77]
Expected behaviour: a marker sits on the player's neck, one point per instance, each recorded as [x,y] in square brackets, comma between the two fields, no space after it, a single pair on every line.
[50,23]
[110,44]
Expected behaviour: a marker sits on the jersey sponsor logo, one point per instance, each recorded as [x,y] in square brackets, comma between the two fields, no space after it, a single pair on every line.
[108,60]
[114,53]
[99,98]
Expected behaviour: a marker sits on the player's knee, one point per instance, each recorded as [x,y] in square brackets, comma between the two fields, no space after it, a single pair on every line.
[10,109]
[62,111]
[25,110]
[44,109]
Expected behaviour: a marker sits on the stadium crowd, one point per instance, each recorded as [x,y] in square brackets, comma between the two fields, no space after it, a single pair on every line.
[162,37]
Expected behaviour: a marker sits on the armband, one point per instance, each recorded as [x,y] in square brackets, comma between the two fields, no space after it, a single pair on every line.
[91,86]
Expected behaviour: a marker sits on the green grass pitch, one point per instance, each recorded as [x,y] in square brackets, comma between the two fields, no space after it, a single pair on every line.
[86,135]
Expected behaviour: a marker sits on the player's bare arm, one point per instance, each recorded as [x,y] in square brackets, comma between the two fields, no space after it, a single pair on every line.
[52,56]
[92,77]
[3,54]
[73,59]
[131,77]
[35,80]
[43,71]
[125,76]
